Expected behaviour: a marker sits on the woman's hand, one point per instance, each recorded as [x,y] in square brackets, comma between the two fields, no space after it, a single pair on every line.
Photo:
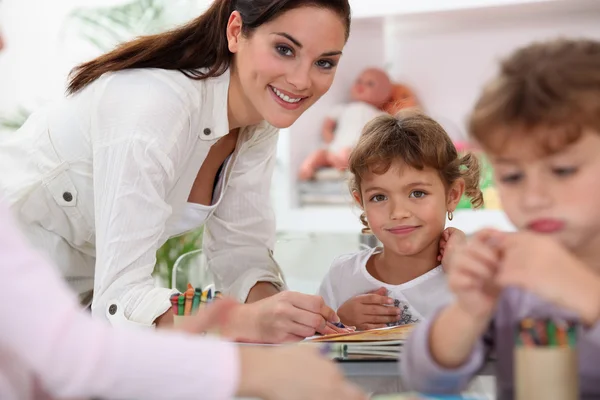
[284,317]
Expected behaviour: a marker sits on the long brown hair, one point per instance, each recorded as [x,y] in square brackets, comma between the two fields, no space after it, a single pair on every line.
[201,43]
[418,141]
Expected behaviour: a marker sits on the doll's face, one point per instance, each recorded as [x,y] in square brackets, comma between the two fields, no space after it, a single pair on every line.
[372,86]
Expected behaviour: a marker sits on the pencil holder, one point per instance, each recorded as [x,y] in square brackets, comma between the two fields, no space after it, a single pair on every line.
[545,360]
[185,305]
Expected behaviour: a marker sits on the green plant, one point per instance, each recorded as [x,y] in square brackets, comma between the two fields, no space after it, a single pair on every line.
[16,120]
[172,250]
[486,182]
[106,27]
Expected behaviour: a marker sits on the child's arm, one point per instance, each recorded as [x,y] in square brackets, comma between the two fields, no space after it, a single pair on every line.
[445,352]
[74,355]
[421,370]
[77,356]
[452,351]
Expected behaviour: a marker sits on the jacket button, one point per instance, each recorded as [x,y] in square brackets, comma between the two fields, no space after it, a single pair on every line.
[112,309]
[207,131]
[67,196]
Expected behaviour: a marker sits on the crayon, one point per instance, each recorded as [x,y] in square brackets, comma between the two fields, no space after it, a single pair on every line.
[196,301]
[218,295]
[526,339]
[174,303]
[528,327]
[572,335]
[181,303]
[542,332]
[210,290]
[189,296]
[552,341]
[204,297]
[561,333]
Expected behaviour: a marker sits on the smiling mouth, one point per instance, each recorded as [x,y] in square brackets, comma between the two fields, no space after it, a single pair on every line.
[286,98]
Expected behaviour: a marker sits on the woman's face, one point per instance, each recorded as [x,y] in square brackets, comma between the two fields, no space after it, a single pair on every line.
[286,65]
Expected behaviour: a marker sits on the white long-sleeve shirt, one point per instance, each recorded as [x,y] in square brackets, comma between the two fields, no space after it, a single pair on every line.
[48,346]
[99,180]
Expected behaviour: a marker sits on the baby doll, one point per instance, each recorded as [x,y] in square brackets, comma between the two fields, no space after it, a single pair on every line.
[344,123]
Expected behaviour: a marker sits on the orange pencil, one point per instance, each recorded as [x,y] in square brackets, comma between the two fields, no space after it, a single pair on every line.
[189,298]
[561,333]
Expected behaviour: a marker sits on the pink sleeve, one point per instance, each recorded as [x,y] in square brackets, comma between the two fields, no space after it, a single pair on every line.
[76,356]
[420,372]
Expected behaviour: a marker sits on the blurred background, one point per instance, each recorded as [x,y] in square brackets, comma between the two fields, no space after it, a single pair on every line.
[443,50]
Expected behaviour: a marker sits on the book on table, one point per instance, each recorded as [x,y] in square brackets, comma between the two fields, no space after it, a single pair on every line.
[374,344]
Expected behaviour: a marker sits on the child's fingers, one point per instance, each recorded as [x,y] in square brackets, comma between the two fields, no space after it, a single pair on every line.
[489,237]
[476,268]
[483,255]
[375,299]
[380,291]
[469,274]
[445,235]
[466,281]
[372,309]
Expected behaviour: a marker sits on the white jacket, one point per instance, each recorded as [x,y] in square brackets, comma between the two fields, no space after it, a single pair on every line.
[98,179]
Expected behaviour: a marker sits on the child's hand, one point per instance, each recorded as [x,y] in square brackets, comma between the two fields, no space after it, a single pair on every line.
[292,373]
[369,311]
[471,275]
[541,265]
[451,239]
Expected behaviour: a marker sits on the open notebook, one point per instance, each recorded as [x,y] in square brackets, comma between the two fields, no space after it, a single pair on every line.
[374,344]
[395,333]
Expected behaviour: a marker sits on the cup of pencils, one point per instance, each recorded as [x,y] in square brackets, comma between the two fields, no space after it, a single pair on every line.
[188,303]
[545,360]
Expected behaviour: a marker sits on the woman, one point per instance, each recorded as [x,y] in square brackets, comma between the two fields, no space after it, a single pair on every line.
[170,132]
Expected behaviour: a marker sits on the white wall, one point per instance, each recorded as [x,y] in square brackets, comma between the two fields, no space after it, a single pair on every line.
[446,57]
[364,48]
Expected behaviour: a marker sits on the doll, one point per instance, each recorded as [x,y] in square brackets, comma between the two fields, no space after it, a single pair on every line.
[343,125]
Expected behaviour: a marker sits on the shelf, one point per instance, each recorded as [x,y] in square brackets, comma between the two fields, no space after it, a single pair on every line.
[391,8]
[345,219]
